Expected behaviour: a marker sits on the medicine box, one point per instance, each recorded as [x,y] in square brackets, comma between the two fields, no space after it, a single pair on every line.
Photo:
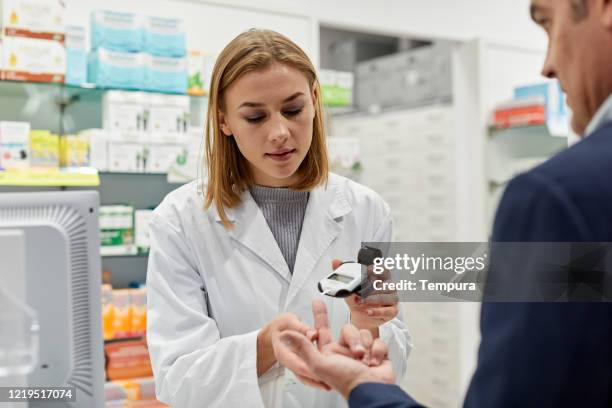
[197,73]
[138,303]
[164,37]
[163,156]
[168,113]
[127,359]
[116,69]
[76,56]
[555,104]
[44,149]
[42,19]
[14,144]
[117,230]
[165,74]
[141,222]
[74,151]
[127,151]
[124,111]
[97,141]
[116,31]
[108,331]
[337,87]
[127,157]
[30,59]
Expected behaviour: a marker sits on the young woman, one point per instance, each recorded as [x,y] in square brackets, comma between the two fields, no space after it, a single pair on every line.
[230,270]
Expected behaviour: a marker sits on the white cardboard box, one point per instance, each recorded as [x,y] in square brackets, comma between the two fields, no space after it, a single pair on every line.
[124,111]
[127,157]
[14,144]
[98,148]
[162,156]
[168,113]
[43,19]
[30,59]
[141,224]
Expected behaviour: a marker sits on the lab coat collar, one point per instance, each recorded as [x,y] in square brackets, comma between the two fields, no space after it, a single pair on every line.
[322,223]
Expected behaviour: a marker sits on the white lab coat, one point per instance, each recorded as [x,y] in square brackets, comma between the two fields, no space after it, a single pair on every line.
[210,290]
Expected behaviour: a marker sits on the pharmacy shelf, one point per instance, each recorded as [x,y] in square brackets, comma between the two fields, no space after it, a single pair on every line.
[18,88]
[537,130]
[140,253]
[50,177]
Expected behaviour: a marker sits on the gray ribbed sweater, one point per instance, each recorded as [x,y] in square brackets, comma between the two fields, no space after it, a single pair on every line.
[284,211]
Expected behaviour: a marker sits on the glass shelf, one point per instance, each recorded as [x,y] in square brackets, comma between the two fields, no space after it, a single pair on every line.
[18,88]
[50,177]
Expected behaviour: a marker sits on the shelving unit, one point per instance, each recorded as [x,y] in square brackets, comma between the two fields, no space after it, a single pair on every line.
[65,109]
[32,177]
[513,151]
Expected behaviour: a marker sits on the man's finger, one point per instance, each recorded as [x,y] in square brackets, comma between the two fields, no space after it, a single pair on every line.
[350,337]
[321,323]
[366,338]
[378,352]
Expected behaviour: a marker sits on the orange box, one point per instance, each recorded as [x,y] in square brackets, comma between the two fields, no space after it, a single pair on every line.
[127,359]
[108,313]
[122,317]
[139,312]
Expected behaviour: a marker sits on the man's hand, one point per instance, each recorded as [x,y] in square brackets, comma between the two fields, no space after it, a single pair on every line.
[354,359]
[333,367]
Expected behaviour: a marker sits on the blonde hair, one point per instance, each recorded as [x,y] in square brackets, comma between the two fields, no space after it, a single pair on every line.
[228,173]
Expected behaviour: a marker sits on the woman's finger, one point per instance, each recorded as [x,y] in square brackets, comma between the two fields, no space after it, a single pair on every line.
[300,327]
[286,355]
[385,312]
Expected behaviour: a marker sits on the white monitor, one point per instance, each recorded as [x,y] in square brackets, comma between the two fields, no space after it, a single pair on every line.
[62,281]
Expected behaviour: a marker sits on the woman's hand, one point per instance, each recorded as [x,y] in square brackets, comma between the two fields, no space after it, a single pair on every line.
[265,351]
[372,312]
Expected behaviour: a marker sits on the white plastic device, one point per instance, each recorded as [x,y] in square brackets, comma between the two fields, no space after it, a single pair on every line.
[342,282]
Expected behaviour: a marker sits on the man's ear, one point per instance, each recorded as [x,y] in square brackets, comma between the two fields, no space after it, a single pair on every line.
[223,125]
[605,7]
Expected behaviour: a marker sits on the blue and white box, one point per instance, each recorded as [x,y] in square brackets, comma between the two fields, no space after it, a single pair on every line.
[113,69]
[557,113]
[165,74]
[116,31]
[76,56]
[164,37]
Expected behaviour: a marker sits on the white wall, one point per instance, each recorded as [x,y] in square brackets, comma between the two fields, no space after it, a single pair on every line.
[212,23]
[503,21]
[209,26]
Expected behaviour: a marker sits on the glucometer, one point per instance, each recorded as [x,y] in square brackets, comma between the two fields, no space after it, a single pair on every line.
[347,278]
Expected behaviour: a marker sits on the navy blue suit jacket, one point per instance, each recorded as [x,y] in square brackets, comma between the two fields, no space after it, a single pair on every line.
[542,355]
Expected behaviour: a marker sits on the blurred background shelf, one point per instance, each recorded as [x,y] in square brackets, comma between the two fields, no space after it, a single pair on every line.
[55,177]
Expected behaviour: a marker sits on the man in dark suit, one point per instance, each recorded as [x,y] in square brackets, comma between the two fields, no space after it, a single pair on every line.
[536,354]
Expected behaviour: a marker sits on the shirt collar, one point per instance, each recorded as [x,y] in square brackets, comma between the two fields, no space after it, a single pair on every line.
[603,116]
